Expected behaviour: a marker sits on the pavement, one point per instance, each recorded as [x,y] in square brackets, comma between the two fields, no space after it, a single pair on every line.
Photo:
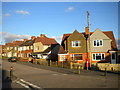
[71,71]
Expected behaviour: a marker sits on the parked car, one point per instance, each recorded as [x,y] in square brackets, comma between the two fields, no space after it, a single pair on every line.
[12,59]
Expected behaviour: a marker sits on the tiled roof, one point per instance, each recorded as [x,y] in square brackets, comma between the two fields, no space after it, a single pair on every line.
[61,50]
[45,40]
[17,43]
[27,43]
[107,33]
[9,44]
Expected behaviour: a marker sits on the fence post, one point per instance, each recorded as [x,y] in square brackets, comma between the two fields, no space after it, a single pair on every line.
[105,73]
[50,62]
[11,72]
[78,69]
[56,63]
[71,65]
[62,64]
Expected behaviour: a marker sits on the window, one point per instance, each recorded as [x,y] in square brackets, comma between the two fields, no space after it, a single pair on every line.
[98,56]
[75,43]
[15,54]
[76,56]
[8,48]
[37,48]
[22,55]
[31,47]
[98,43]
[15,48]
[62,57]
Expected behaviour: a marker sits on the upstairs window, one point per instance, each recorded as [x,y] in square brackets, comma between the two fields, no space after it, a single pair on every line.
[98,56]
[98,43]
[37,48]
[15,48]
[75,43]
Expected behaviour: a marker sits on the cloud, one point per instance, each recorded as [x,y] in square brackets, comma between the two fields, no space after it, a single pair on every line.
[57,37]
[71,8]
[7,14]
[9,37]
[22,12]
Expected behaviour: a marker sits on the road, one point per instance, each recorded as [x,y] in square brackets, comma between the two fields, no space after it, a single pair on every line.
[28,76]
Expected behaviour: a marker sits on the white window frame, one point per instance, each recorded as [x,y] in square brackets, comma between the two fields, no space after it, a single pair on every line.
[96,55]
[15,54]
[73,43]
[15,48]
[37,48]
[98,42]
[63,55]
[22,55]
[31,47]
[72,55]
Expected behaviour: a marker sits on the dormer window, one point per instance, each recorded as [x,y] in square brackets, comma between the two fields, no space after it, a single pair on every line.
[97,43]
[75,43]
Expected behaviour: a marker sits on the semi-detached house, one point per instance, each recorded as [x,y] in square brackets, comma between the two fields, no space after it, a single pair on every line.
[100,47]
[44,47]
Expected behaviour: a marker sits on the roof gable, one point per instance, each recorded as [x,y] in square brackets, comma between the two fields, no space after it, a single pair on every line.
[98,34]
[76,35]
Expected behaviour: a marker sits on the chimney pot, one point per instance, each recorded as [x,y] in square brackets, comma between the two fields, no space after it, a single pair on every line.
[42,35]
[33,37]
[25,40]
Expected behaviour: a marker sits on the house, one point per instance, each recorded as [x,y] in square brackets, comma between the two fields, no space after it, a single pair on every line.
[75,46]
[62,55]
[2,50]
[103,46]
[8,49]
[15,51]
[43,47]
[26,48]
[97,46]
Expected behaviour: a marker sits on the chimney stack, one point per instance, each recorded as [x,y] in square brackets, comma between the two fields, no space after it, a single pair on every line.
[42,35]
[14,41]
[33,37]
[87,30]
[25,40]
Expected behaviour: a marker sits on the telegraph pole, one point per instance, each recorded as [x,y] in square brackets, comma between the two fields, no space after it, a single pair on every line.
[89,51]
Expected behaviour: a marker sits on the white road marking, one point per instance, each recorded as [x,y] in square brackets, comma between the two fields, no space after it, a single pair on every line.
[24,85]
[59,74]
[30,84]
[54,74]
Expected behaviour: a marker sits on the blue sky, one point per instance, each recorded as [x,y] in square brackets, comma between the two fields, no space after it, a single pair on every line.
[54,19]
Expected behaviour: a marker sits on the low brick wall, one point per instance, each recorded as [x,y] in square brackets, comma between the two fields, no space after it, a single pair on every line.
[108,66]
[41,62]
[75,65]
[24,59]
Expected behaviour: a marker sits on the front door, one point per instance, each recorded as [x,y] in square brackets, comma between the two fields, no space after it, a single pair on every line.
[113,58]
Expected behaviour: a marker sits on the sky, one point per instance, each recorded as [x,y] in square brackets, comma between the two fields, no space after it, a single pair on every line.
[25,19]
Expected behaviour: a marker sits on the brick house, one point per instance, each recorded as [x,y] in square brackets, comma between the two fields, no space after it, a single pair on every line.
[101,47]
[26,48]
[45,47]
